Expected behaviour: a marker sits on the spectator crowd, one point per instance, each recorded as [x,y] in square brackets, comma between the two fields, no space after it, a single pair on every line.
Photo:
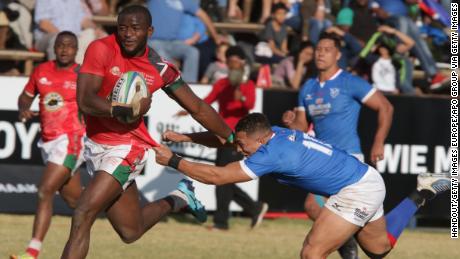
[383,41]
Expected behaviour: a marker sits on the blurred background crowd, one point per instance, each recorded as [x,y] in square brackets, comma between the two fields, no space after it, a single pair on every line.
[400,46]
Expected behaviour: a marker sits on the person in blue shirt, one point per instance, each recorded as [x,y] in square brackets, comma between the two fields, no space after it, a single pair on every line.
[333,102]
[356,191]
[167,19]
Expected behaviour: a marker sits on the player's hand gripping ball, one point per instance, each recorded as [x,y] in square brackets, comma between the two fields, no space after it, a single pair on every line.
[130,90]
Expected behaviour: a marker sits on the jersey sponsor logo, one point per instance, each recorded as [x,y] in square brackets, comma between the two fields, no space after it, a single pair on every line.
[319,101]
[361,213]
[334,92]
[308,97]
[70,85]
[116,71]
[53,101]
[44,81]
[319,109]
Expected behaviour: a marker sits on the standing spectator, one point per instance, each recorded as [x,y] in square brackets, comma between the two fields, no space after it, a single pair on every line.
[167,19]
[53,16]
[294,70]
[236,97]
[218,69]
[275,34]
[395,13]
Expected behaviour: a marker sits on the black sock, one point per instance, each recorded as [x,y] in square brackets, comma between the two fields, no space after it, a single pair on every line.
[170,201]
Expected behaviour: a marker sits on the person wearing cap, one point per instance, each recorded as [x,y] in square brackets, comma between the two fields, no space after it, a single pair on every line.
[350,46]
[236,96]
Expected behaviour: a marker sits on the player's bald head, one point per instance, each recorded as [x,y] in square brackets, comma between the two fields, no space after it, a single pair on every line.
[140,11]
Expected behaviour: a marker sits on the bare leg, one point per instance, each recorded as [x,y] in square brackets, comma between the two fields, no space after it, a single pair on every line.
[54,177]
[101,192]
[312,207]
[130,220]
[247,8]
[319,242]
[373,237]
[71,190]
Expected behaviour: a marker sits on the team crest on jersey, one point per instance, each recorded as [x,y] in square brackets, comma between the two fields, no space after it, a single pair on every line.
[53,102]
[44,81]
[115,71]
[334,92]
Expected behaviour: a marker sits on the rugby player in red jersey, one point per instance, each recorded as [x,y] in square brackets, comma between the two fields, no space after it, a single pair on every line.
[116,152]
[61,133]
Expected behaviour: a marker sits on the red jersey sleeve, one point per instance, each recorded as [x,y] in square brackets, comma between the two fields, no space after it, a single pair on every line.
[171,77]
[96,58]
[216,89]
[31,87]
[249,92]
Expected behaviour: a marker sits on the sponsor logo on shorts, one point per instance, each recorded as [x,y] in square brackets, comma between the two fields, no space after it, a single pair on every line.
[336,206]
[361,213]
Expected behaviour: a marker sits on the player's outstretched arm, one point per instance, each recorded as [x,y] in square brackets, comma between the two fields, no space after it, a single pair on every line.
[201,111]
[205,138]
[208,174]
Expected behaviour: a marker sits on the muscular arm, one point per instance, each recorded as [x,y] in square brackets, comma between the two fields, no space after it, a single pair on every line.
[205,138]
[383,107]
[201,111]
[89,102]
[208,174]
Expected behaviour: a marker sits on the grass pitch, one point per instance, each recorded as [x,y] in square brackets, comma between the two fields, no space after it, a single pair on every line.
[178,238]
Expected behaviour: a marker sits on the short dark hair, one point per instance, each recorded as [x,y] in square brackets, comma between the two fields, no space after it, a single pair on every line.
[137,9]
[252,123]
[235,51]
[67,33]
[278,6]
[331,36]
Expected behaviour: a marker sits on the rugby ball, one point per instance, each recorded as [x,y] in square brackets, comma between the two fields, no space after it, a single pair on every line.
[125,89]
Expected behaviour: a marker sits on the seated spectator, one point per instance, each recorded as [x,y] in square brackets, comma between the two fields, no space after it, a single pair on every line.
[364,22]
[383,71]
[53,16]
[165,38]
[217,69]
[21,27]
[318,23]
[236,14]
[98,7]
[293,16]
[395,14]
[398,45]
[294,70]
[437,39]
[275,36]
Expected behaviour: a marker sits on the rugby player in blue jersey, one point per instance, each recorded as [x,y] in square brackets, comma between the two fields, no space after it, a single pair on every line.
[356,191]
[333,101]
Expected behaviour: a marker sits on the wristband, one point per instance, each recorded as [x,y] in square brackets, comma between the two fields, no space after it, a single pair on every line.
[231,138]
[121,111]
[174,161]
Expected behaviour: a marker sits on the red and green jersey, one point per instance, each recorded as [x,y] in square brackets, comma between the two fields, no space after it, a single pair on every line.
[56,88]
[104,58]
